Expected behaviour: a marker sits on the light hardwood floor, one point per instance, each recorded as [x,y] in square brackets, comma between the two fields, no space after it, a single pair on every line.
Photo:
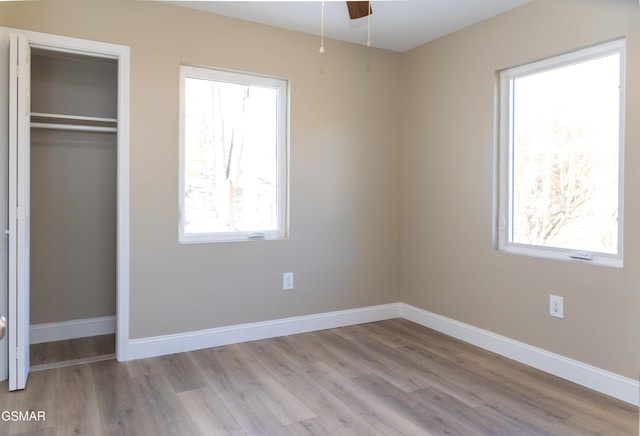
[389,378]
[72,351]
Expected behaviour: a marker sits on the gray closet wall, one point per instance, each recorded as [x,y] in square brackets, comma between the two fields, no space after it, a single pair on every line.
[73,190]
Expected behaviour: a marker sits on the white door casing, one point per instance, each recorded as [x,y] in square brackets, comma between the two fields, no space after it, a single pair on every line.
[14,291]
[4,138]
[19,205]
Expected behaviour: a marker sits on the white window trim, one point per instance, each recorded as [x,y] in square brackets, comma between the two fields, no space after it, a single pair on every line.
[505,162]
[282,144]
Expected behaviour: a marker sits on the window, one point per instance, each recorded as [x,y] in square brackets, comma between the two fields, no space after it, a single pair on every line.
[561,154]
[233,156]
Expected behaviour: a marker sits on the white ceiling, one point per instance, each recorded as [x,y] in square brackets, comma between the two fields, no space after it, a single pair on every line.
[397,25]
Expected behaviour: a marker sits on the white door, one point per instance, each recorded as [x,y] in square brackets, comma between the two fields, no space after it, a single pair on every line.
[4,141]
[19,189]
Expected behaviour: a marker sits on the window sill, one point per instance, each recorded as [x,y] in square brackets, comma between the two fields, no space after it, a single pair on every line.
[208,238]
[598,259]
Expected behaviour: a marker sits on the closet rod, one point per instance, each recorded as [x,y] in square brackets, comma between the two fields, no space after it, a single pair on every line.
[48,116]
[75,127]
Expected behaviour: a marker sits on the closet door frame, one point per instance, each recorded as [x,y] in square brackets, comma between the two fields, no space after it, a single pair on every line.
[19,148]
[121,54]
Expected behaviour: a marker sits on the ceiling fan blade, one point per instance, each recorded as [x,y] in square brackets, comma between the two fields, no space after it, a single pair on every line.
[359,9]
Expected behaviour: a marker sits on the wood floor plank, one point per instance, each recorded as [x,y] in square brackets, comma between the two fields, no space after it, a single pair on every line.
[375,358]
[41,396]
[377,331]
[397,367]
[162,413]
[278,399]
[386,378]
[341,419]
[225,372]
[49,431]
[120,409]
[591,425]
[142,367]
[48,352]
[468,386]
[181,372]
[405,405]
[464,419]
[536,392]
[437,343]
[76,408]
[102,344]
[72,349]
[311,427]
[281,356]
[372,408]
[208,413]
[275,395]
[281,401]
[320,348]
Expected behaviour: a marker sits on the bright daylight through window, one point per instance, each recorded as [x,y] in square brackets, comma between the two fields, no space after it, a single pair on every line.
[561,156]
[233,148]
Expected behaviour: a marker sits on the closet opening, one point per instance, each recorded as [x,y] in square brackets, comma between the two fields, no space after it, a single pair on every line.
[74,200]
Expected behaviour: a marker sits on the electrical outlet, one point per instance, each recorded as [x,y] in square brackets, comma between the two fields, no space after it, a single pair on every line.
[287,281]
[556,306]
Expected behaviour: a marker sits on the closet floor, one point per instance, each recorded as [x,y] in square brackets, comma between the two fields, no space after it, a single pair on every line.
[72,352]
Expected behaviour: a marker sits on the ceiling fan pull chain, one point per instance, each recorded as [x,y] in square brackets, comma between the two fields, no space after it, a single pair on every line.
[322,31]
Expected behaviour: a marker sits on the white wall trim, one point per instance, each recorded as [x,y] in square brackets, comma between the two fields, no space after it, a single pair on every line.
[606,382]
[122,54]
[77,328]
[181,342]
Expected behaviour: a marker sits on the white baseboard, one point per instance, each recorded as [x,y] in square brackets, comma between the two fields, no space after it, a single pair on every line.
[606,382]
[178,343]
[77,328]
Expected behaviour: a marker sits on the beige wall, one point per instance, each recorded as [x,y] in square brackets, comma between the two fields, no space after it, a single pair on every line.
[73,193]
[73,226]
[448,263]
[344,244]
[391,177]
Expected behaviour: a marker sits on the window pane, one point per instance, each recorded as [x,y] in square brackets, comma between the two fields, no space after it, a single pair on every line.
[231,168]
[566,156]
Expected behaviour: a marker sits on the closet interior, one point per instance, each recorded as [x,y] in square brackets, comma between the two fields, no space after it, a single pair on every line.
[73,202]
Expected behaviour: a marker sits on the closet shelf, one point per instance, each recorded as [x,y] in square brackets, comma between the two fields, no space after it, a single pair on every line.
[73,122]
